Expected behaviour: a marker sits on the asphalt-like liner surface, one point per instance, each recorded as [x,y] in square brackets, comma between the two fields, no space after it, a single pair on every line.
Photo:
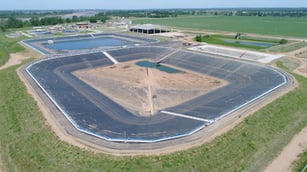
[95,114]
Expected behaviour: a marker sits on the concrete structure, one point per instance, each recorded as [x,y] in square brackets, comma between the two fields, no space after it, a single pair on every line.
[149,29]
[56,28]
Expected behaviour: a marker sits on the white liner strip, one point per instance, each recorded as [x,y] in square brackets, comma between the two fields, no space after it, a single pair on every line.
[186,116]
[110,57]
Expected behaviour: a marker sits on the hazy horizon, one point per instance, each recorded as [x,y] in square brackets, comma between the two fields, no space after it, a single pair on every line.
[138,5]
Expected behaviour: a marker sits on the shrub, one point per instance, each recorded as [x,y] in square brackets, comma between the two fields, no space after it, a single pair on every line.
[198,38]
[283,41]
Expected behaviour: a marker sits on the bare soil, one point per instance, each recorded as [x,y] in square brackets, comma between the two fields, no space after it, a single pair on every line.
[301,56]
[147,90]
[17,58]
[14,59]
[289,154]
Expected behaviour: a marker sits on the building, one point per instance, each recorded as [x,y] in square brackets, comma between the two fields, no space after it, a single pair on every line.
[82,25]
[149,29]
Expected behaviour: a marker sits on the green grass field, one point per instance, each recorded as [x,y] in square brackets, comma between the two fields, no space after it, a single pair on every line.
[301,162]
[27,144]
[296,27]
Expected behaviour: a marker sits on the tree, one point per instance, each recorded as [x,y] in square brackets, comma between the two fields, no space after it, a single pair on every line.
[75,19]
[198,38]
[35,21]
[68,20]
[93,19]
[12,22]
[238,35]
[3,25]
[283,41]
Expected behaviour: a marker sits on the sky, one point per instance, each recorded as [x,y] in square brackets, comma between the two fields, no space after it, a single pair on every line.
[143,4]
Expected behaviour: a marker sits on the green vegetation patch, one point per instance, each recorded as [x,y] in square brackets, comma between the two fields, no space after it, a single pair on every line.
[284,26]
[301,163]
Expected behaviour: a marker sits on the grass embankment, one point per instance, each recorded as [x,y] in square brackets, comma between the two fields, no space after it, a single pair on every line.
[300,163]
[8,45]
[27,144]
[284,26]
[288,47]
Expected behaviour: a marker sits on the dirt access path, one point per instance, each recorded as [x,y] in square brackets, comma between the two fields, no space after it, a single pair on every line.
[289,154]
[301,56]
[299,143]
[149,83]
[17,58]
[14,59]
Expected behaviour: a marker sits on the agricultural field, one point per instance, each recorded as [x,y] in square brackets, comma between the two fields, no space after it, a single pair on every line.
[28,144]
[281,26]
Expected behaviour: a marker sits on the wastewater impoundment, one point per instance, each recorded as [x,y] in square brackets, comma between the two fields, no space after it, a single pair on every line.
[88,43]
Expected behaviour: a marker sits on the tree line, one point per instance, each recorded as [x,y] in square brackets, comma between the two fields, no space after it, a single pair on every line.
[13,22]
[10,19]
[145,13]
[278,12]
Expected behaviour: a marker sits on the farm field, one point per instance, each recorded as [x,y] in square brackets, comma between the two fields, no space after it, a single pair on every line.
[281,26]
[28,144]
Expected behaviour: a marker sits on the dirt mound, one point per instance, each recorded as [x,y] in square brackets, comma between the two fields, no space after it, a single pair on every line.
[146,91]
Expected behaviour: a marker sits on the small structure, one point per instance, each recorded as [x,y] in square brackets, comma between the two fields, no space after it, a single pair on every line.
[56,28]
[50,42]
[82,25]
[122,22]
[149,29]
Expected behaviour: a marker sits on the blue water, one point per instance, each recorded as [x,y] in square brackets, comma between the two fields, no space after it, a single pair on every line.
[259,44]
[157,66]
[89,43]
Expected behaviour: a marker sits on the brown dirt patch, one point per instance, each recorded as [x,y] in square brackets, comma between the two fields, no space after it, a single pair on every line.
[301,56]
[145,92]
[289,154]
[14,59]
[17,58]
